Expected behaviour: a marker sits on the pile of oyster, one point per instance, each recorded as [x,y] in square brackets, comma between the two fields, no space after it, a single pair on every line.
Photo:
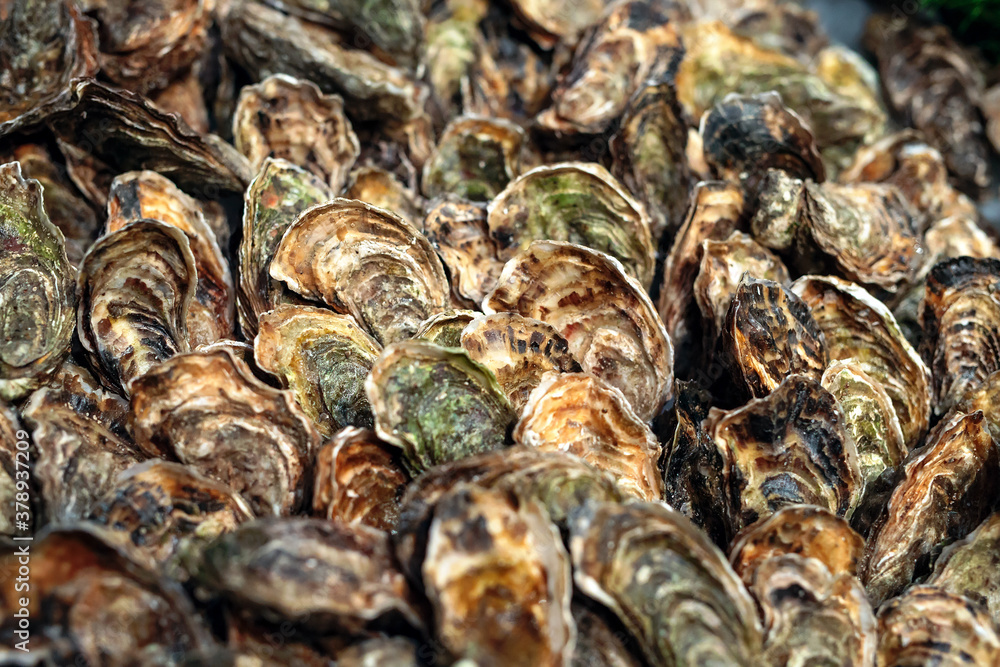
[539,332]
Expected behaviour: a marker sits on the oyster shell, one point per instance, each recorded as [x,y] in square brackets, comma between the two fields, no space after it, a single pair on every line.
[966,567]
[445,328]
[14,474]
[285,117]
[37,295]
[599,642]
[135,290]
[359,479]
[578,203]
[380,652]
[457,230]
[365,261]
[518,350]
[383,188]
[552,21]
[324,358]
[607,319]
[436,404]
[475,158]
[138,195]
[665,581]
[207,410]
[783,27]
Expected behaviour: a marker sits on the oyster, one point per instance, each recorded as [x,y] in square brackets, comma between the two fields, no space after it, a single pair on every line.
[928,626]
[14,472]
[445,328]
[158,510]
[860,330]
[436,404]
[769,334]
[579,414]
[966,567]
[359,479]
[280,192]
[518,350]
[147,195]
[324,358]
[319,574]
[665,581]
[36,288]
[784,27]
[365,261]
[184,96]
[788,448]
[457,230]
[960,335]
[285,117]
[207,410]
[475,158]
[380,652]
[383,188]
[575,202]
[607,319]
[81,442]
[552,21]
[135,290]
[599,642]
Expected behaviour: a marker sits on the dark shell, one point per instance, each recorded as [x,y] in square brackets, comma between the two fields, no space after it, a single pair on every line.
[509,79]
[788,448]
[37,295]
[599,642]
[475,158]
[769,333]
[947,489]
[968,567]
[359,479]
[457,230]
[783,27]
[207,410]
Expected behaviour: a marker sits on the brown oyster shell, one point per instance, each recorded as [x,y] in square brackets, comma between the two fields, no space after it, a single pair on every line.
[552,21]
[364,261]
[135,291]
[381,187]
[285,117]
[380,651]
[359,479]
[457,230]
[185,96]
[579,414]
[607,319]
[14,472]
[967,567]
[445,328]
[600,642]
[475,158]
[207,410]
[138,195]
[783,27]
[518,350]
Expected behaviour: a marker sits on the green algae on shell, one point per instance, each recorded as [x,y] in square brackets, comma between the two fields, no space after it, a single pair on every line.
[475,158]
[445,328]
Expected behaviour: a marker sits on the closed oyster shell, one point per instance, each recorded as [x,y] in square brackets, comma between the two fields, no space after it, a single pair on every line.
[665,581]
[359,479]
[37,295]
[928,626]
[324,358]
[553,21]
[285,117]
[788,448]
[475,158]
[158,510]
[207,410]
[457,230]
[380,652]
[769,333]
[364,261]
[579,414]
[138,195]
[499,581]
[784,27]
[445,328]
[860,330]
[946,490]
[967,567]
[386,189]
[135,290]
[575,202]
[323,575]
[518,350]
[279,193]
[607,319]
[436,404]
[599,643]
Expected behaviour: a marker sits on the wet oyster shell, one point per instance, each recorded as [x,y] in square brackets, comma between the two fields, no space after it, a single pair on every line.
[499,581]
[575,202]
[324,358]
[207,410]
[665,581]
[967,567]
[136,195]
[605,316]
[37,295]
[364,261]
[783,27]
[599,642]
[579,414]
[275,199]
[445,329]
[359,479]
[81,443]
[158,510]
[788,448]
[386,189]
[457,230]
[518,350]
[135,290]
[475,158]
[436,404]
[380,652]
[928,626]
[860,330]
[769,333]
[945,492]
[323,575]
[553,21]
[289,118]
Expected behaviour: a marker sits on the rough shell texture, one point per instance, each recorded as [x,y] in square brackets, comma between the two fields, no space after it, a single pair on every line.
[457,230]
[475,158]
[10,430]
[967,567]
[445,329]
